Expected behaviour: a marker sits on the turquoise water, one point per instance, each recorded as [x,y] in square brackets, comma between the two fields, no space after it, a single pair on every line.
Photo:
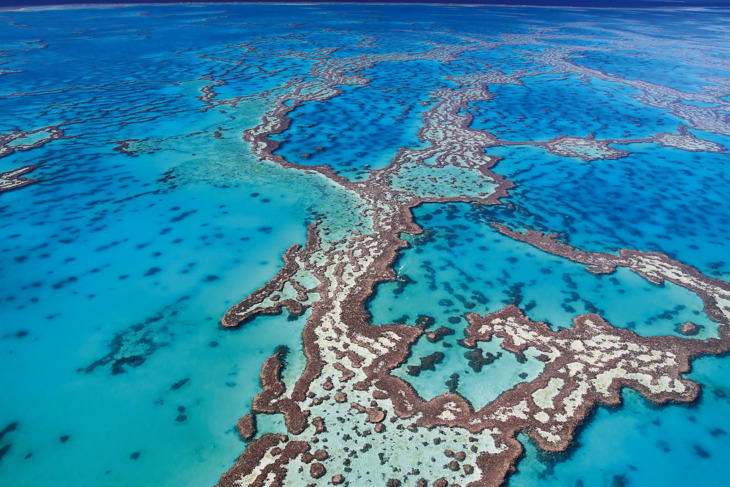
[113,285]
[152,218]
[640,444]
[155,271]
[464,265]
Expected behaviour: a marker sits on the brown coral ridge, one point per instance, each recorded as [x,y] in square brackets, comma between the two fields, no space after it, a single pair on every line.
[586,148]
[683,140]
[593,356]
[246,427]
[247,309]
[271,474]
[400,220]
[270,400]
[10,180]
[655,267]
[453,143]
[686,141]
[590,149]
[456,145]
[707,118]
[54,132]
[583,374]
[438,335]
[332,72]
[580,367]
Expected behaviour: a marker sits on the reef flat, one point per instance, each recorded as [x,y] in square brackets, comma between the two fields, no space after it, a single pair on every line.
[446,238]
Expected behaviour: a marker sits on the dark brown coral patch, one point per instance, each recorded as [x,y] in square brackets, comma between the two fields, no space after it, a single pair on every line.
[316,470]
[247,427]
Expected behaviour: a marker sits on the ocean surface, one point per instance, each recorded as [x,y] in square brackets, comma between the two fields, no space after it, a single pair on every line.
[151,218]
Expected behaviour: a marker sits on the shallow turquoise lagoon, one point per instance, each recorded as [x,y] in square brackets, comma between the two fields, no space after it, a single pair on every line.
[462,264]
[114,301]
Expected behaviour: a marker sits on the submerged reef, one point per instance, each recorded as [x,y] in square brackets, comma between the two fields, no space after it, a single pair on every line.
[23,141]
[13,180]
